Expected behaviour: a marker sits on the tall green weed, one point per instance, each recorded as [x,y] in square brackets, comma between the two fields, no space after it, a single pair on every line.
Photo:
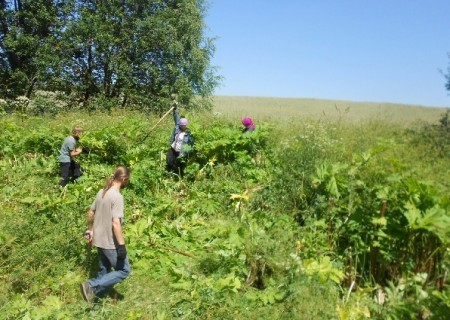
[261,225]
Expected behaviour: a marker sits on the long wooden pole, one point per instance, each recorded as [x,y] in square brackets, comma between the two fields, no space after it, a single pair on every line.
[159,121]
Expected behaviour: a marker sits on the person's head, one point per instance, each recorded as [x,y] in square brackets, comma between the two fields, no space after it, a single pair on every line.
[77,131]
[121,175]
[183,124]
[247,122]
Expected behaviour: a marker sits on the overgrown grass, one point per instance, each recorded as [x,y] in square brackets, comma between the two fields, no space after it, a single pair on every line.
[295,110]
[277,224]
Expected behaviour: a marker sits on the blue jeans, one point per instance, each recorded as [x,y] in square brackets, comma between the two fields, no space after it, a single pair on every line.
[106,278]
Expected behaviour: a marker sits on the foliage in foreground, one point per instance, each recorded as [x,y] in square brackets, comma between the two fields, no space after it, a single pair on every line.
[310,221]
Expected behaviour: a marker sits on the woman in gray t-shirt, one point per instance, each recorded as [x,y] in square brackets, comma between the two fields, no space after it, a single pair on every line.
[105,232]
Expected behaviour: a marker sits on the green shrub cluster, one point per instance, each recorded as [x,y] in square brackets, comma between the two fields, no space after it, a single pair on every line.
[434,137]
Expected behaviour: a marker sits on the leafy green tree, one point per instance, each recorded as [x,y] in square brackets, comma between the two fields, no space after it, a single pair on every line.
[136,52]
[447,76]
[26,25]
[172,54]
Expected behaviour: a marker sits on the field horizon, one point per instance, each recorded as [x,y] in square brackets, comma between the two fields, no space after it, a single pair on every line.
[290,109]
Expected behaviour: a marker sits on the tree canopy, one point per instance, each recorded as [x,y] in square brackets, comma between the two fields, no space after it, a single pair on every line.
[135,53]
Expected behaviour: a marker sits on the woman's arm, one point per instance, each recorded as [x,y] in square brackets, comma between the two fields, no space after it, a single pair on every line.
[176,117]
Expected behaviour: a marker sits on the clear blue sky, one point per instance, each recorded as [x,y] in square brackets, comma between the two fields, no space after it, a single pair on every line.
[357,50]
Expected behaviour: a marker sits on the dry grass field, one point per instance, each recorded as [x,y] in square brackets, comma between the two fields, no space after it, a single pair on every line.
[294,109]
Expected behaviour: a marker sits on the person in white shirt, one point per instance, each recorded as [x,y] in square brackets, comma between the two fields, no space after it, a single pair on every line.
[181,144]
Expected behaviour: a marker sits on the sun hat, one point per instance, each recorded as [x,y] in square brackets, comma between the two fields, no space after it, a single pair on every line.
[183,122]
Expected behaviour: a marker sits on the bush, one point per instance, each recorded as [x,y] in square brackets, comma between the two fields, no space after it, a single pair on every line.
[434,137]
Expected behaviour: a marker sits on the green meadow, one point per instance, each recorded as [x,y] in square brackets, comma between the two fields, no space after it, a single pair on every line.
[329,210]
[287,109]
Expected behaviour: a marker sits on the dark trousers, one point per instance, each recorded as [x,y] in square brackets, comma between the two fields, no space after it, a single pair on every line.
[175,163]
[70,171]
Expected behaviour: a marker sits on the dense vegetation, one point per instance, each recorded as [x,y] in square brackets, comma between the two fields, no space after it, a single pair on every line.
[103,54]
[299,220]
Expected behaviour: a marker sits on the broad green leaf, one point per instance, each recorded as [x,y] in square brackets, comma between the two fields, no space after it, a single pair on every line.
[382,221]
[320,223]
[435,220]
[332,187]
[182,285]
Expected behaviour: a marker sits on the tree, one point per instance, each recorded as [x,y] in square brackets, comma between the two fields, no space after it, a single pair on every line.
[172,56]
[25,27]
[447,85]
[140,52]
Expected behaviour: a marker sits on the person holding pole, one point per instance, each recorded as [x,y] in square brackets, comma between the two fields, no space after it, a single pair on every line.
[105,231]
[181,144]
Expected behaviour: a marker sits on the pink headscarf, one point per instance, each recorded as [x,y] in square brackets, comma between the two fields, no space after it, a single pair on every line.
[248,123]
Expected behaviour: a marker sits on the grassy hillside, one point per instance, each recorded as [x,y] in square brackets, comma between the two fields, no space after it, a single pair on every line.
[290,109]
[337,215]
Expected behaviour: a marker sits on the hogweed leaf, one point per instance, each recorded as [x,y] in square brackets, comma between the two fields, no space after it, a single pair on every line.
[435,220]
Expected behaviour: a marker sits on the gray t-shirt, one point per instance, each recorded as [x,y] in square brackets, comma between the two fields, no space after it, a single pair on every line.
[106,208]
[68,145]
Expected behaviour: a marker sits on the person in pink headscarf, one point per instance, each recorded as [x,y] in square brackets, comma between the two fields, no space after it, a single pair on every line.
[248,124]
[181,145]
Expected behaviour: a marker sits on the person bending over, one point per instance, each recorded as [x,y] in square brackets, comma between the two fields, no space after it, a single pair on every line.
[248,124]
[70,170]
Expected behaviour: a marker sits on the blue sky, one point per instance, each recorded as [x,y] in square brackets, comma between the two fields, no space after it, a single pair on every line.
[357,50]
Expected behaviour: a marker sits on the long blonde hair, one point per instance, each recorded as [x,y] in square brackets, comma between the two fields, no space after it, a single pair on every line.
[122,174]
